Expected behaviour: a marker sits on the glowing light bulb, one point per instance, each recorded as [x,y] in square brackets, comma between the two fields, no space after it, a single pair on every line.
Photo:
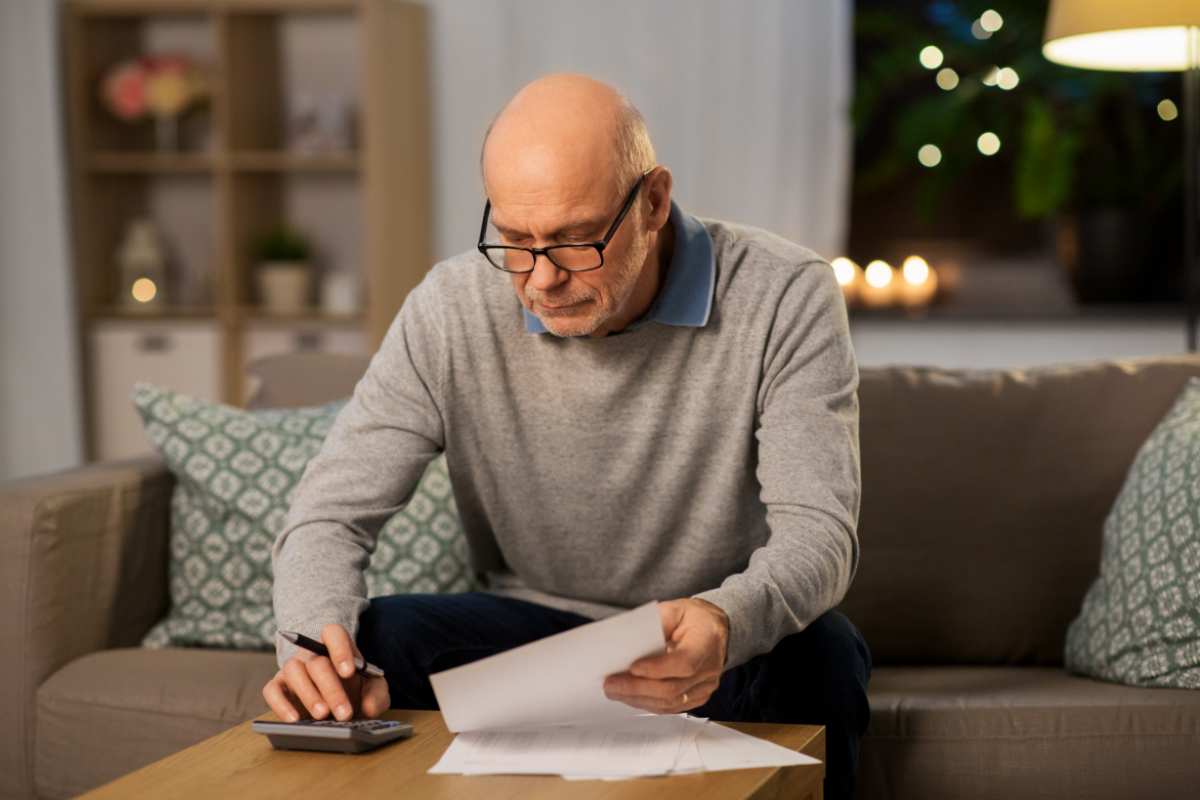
[931,57]
[991,77]
[1007,78]
[1167,110]
[980,32]
[947,79]
[988,143]
[930,155]
[143,290]
[991,20]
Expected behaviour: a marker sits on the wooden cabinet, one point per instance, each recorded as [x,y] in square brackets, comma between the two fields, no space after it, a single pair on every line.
[233,176]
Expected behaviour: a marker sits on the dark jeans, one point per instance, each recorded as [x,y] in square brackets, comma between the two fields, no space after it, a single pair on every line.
[818,676]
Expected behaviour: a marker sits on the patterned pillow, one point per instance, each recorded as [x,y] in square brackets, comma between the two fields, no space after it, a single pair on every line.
[235,473]
[1140,622]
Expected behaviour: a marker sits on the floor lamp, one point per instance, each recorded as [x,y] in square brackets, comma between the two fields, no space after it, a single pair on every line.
[1143,36]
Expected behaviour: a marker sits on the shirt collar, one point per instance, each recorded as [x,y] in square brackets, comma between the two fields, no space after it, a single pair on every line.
[686,296]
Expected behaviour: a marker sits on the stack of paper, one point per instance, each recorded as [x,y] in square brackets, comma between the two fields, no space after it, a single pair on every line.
[640,747]
[541,709]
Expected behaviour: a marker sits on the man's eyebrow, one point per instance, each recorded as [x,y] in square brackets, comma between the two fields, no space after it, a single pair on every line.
[574,227]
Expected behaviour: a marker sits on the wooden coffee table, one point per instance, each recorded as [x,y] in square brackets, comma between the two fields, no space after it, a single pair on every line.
[242,763]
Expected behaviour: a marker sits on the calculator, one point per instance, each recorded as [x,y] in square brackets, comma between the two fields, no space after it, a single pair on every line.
[332,736]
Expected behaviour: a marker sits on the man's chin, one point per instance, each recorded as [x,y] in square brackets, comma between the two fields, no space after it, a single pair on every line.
[567,327]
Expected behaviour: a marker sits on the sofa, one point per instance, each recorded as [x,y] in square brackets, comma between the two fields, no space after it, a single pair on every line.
[983,499]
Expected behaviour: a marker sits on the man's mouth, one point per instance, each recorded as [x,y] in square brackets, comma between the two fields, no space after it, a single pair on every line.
[562,307]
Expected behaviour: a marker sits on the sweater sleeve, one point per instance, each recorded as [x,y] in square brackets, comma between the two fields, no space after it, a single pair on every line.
[808,470]
[366,471]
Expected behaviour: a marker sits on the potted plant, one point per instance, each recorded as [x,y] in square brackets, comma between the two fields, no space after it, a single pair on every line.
[284,271]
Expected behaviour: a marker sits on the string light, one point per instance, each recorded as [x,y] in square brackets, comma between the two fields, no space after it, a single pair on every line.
[1007,78]
[930,155]
[931,57]
[947,78]
[991,77]
[979,32]
[990,20]
[1167,110]
[988,143]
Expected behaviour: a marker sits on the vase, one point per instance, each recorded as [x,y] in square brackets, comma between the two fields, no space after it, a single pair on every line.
[284,286]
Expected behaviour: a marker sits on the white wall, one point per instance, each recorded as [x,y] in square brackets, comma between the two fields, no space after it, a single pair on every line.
[40,422]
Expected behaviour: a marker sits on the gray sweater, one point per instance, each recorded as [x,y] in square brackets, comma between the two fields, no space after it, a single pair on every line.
[718,461]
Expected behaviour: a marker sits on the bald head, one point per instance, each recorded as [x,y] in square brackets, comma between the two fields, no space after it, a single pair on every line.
[566,129]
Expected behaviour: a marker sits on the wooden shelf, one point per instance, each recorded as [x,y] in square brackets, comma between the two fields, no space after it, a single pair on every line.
[163,314]
[253,315]
[102,8]
[282,161]
[115,162]
[213,206]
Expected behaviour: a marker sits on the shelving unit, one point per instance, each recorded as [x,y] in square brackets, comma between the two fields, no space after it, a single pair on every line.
[234,179]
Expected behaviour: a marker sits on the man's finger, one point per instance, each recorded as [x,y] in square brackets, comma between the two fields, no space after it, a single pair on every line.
[331,687]
[679,662]
[341,649]
[295,671]
[627,685]
[375,698]
[277,699]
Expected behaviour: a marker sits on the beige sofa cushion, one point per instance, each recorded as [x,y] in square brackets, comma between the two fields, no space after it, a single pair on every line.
[114,711]
[1004,732]
[984,498]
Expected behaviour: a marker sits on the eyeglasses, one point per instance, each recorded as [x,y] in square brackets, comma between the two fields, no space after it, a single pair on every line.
[580,257]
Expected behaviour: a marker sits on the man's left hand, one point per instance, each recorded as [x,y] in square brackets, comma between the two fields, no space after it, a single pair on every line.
[686,675]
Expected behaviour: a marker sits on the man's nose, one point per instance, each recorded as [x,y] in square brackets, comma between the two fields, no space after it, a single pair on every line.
[546,274]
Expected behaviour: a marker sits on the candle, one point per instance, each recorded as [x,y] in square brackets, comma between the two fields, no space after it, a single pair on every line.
[917,284]
[878,287]
[849,277]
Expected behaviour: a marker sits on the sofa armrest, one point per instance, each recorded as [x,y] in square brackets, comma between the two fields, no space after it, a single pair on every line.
[83,567]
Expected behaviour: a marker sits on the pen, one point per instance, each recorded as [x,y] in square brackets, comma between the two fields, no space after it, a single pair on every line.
[364,668]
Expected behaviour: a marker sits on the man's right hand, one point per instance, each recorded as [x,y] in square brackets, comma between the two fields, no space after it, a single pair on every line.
[308,685]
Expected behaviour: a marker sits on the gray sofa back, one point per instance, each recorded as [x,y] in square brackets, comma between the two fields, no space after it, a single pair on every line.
[984,494]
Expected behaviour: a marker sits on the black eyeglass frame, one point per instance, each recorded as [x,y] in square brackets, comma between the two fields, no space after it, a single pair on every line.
[599,245]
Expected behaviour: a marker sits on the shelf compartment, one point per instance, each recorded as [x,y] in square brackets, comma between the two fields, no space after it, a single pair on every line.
[105,34]
[284,161]
[152,162]
[279,59]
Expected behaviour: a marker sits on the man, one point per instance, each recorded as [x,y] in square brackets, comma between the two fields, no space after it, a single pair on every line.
[664,409]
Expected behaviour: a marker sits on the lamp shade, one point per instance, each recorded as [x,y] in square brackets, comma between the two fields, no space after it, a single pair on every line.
[1125,35]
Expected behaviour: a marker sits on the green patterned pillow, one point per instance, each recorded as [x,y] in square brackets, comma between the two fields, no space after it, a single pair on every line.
[235,473]
[1140,622]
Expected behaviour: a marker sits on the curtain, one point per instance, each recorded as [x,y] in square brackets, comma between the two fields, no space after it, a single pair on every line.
[747,103]
[40,417]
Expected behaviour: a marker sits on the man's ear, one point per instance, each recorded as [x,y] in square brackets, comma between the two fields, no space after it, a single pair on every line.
[658,194]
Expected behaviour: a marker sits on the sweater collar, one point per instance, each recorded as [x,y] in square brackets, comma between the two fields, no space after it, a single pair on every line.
[685,298]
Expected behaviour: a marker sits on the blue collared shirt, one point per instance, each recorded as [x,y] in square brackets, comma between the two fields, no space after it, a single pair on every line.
[686,296]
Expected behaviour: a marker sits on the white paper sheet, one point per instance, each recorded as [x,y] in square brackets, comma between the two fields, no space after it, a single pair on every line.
[557,679]
[642,746]
[638,746]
